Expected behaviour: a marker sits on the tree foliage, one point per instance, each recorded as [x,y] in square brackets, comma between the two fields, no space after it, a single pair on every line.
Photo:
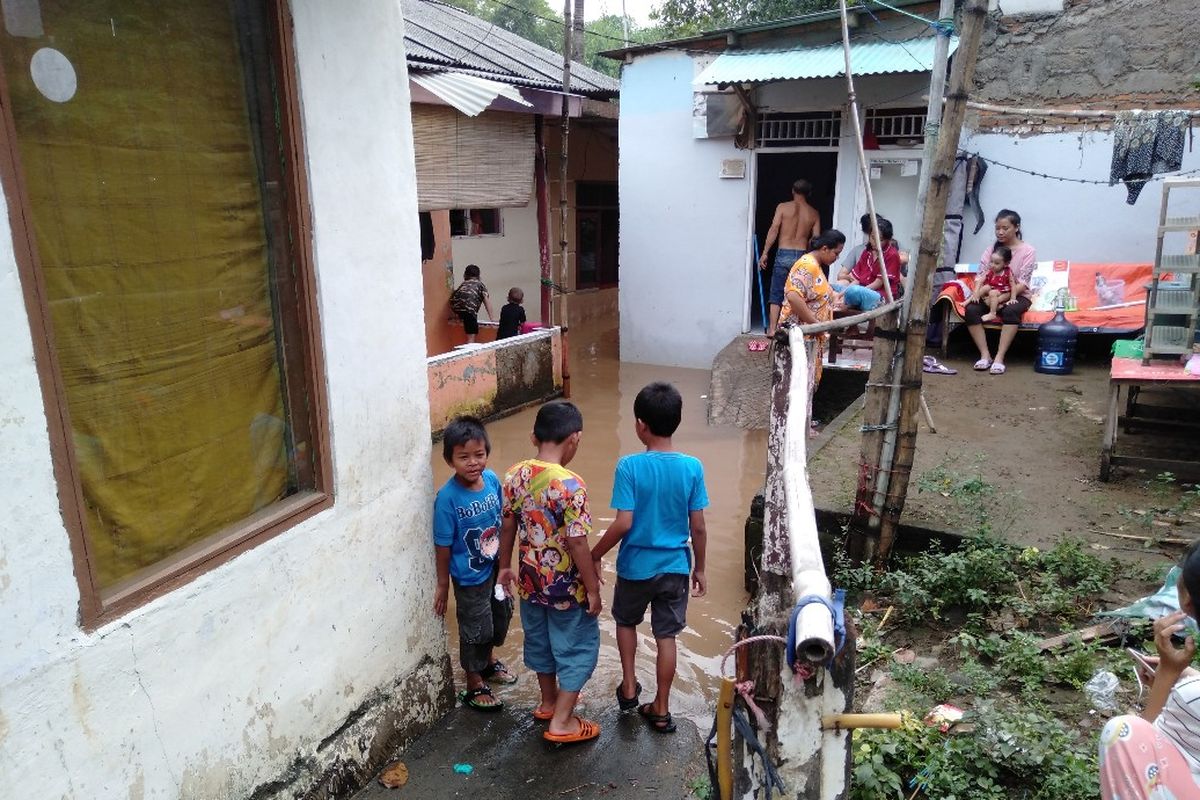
[536,21]
[678,18]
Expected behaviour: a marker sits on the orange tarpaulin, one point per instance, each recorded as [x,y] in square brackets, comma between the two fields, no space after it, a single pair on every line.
[1100,297]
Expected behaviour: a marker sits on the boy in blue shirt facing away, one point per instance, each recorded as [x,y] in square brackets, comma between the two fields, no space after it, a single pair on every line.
[466,538]
[660,499]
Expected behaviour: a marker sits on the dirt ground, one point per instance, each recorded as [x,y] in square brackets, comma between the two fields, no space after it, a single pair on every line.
[1034,442]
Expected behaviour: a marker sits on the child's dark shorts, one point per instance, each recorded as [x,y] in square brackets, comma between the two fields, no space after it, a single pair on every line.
[482,622]
[667,596]
[470,322]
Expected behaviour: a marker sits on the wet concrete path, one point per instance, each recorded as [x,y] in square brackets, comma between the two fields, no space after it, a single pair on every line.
[507,752]
[511,761]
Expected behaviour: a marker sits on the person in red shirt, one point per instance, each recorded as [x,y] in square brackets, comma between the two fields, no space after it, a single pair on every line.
[995,286]
[861,286]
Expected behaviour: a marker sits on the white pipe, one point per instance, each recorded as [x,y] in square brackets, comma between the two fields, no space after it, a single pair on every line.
[814,627]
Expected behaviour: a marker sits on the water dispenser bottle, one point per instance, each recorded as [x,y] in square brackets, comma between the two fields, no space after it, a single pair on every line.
[1056,343]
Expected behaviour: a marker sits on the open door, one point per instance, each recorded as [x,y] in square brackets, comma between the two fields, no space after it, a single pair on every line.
[776,172]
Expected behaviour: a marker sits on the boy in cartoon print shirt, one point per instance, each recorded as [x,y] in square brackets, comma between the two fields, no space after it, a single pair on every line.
[545,511]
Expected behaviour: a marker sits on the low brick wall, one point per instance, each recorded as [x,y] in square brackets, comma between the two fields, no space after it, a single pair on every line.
[495,379]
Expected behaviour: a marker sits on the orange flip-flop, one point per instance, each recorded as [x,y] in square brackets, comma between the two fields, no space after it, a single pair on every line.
[587,730]
[546,716]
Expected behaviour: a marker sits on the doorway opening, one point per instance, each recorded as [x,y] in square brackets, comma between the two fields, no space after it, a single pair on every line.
[776,172]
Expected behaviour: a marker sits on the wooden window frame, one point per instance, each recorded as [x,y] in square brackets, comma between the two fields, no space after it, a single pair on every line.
[98,607]
[499,223]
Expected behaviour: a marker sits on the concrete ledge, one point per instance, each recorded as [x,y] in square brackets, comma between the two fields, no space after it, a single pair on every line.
[496,378]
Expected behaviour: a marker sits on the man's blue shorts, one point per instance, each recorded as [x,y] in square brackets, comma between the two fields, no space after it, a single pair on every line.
[558,642]
[784,261]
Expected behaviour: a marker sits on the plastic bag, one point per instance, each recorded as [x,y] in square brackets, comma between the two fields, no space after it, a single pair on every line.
[1101,690]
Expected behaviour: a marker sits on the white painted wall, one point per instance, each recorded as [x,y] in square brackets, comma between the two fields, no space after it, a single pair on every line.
[508,260]
[683,228]
[220,686]
[684,231]
[1072,221]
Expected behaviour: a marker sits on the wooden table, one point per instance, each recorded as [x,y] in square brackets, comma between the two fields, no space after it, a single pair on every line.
[1130,375]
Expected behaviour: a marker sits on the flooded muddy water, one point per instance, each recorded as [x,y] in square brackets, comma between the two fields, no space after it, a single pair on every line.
[734,462]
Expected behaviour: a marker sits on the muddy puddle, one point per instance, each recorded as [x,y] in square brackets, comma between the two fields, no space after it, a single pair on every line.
[734,462]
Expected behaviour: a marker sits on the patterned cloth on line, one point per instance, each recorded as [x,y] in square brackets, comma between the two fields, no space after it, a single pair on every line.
[1146,143]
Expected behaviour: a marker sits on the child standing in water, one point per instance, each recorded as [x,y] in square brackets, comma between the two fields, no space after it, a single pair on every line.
[512,316]
[659,497]
[466,300]
[466,538]
[545,507]
[995,286]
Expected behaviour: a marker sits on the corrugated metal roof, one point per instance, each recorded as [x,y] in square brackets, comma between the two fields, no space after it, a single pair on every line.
[440,35]
[798,63]
[469,94]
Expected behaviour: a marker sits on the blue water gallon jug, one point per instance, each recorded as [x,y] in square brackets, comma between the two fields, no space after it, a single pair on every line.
[1056,345]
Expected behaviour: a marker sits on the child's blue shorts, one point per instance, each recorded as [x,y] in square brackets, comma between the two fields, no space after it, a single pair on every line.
[565,643]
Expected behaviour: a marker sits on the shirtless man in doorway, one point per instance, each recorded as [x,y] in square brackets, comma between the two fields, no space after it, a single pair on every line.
[795,223]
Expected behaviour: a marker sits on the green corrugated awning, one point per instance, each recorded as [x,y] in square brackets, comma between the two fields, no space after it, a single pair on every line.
[799,63]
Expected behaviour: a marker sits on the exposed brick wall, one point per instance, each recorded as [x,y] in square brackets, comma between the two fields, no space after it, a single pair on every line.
[1094,54]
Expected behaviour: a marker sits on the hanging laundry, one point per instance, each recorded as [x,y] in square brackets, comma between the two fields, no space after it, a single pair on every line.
[1146,143]
[976,169]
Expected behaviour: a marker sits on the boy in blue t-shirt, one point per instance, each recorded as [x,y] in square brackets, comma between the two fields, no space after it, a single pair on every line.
[466,538]
[660,499]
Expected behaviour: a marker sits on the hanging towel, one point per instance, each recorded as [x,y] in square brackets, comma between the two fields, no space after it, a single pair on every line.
[1146,143]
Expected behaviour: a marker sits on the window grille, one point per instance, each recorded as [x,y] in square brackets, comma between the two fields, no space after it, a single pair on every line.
[897,125]
[818,129]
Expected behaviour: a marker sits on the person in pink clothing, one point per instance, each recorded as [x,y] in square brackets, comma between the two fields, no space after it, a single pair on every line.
[1024,259]
[1156,756]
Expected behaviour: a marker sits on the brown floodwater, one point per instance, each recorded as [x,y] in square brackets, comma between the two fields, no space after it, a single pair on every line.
[734,463]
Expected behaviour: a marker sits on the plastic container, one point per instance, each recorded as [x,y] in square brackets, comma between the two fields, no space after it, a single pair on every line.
[1056,345]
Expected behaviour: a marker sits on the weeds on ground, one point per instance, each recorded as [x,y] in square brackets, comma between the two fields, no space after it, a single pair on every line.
[1010,753]
[1017,739]
[1170,503]
[700,787]
[975,503]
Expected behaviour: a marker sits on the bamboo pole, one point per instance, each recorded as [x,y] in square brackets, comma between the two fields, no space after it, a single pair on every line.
[962,79]
[562,166]
[863,167]
[1081,113]
[933,126]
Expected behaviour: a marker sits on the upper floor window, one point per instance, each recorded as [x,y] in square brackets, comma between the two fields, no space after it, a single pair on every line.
[153,174]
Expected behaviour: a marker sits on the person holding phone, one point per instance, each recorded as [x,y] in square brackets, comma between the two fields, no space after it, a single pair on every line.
[1156,756]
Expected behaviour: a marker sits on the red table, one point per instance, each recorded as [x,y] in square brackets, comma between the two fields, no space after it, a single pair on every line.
[1128,373]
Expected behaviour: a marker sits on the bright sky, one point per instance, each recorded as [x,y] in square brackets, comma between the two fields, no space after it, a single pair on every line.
[637,9]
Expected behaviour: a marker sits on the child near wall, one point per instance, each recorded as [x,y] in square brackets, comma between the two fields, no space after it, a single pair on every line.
[466,300]
[466,538]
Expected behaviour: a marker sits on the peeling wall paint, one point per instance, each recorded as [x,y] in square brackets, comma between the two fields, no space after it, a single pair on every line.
[297,666]
[496,378]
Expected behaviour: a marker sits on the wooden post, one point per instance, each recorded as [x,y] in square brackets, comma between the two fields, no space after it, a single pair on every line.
[961,81]
[883,394]
[543,222]
[568,29]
